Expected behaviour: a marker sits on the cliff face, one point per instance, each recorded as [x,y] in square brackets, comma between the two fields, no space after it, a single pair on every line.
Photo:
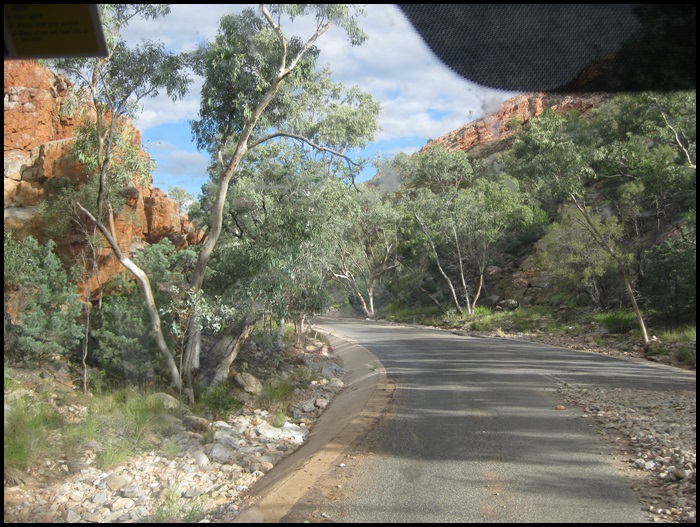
[499,126]
[41,113]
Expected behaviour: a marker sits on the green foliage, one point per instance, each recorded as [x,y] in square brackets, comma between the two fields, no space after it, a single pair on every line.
[7,380]
[70,104]
[366,247]
[680,343]
[184,199]
[15,254]
[437,169]
[410,313]
[276,395]
[242,64]
[575,262]
[683,334]
[128,164]
[278,418]
[617,321]
[173,509]
[552,157]
[451,318]
[109,148]
[481,311]
[44,298]
[166,266]
[124,348]
[124,422]
[115,453]
[28,436]
[131,73]
[514,124]
[460,223]
[529,319]
[686,354]
[670,279]
[635,157]
[220,400]
[485,320]
[279,234]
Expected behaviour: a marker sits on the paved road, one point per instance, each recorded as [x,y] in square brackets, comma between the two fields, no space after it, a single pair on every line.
[474,434]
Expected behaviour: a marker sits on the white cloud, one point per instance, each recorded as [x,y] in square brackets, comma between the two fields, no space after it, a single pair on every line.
[178,168]
[421,98]
[183,163]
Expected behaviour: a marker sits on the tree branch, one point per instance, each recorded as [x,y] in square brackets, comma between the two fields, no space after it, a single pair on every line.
[679,142]
[309,142]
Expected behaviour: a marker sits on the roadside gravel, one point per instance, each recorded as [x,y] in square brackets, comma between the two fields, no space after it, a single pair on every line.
[653,437]
[652,434]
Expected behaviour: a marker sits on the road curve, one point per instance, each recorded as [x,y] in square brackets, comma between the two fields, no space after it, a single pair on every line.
[474,435]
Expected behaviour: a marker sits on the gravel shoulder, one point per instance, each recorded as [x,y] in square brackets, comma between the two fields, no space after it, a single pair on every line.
[651,434]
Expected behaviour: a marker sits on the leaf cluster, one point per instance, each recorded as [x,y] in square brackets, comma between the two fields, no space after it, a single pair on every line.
[44,301]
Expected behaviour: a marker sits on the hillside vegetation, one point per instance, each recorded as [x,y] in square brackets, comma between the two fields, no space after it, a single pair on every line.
[579,219]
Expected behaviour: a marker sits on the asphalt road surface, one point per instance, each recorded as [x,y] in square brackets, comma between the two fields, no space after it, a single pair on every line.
[474,435]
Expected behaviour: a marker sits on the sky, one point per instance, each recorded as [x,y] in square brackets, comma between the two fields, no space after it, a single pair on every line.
[421,98]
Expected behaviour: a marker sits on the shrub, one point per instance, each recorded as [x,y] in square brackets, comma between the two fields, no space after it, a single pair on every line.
[124,347]
[115,453]
[617,321]
[45,300]
[529,318]
[276,395]
[26,436]
[684,334]
[669,286]
[278,418]
[220,400]
[686,354]
[173,509]
[170,448]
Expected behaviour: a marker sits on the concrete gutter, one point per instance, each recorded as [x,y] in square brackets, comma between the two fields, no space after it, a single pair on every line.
[352,413]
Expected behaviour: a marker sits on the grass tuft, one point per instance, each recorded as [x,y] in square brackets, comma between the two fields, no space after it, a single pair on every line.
[276,395]
[28,436]
[220,400]
[617,321]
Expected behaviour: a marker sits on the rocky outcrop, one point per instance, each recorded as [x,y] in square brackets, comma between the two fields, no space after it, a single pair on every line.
[40,106]
[505,122]
[41,113]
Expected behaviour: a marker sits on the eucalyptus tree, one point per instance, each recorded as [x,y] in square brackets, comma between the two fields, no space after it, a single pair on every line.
[639,149]
[556,156]
[261,86]
[646,155]
[462,220]
[366,247]
[575,263]
[435,168]
[284,213]
[431,179]
[114,85]
[464,230]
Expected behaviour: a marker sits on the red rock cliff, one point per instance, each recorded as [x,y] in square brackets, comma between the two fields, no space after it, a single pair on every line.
[40,117]
[519,109]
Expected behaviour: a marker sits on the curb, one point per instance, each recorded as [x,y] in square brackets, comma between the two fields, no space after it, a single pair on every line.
[352,413]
